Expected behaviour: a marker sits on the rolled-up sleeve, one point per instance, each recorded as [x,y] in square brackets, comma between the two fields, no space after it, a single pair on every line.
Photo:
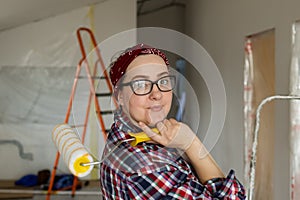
[226,188]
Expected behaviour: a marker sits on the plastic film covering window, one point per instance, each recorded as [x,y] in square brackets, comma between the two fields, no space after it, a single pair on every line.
[37,70]
[33,100]
[295,115]
[248,109]
[29,94]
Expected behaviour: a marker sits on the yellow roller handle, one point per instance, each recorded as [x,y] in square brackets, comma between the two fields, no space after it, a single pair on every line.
[141,137]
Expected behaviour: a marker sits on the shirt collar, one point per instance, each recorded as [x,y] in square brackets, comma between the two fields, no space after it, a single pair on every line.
[121,127]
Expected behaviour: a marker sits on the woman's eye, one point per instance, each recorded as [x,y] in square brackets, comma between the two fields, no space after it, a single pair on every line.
[164,82]
[139,84]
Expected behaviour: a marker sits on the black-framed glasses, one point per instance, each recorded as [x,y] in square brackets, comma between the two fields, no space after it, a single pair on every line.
[144,86]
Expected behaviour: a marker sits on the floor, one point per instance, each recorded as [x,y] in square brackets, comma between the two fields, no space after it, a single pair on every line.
[56,197]
[91,191]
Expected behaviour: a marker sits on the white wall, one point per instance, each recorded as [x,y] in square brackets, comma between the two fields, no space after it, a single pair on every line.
[51,42]
[172,17]
[228,152]
[221,26]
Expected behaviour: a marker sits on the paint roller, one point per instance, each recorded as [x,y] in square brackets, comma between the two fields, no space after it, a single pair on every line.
[72,150]
[75,155]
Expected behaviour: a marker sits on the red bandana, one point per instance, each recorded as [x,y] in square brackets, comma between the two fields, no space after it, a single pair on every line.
[118,68]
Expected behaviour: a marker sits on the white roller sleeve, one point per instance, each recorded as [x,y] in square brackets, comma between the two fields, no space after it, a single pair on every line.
[72,150]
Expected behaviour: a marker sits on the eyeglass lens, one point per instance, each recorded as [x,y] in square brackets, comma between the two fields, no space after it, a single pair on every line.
[142,87]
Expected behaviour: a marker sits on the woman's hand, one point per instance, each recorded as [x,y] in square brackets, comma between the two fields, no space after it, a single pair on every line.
[179,135]
[173,134]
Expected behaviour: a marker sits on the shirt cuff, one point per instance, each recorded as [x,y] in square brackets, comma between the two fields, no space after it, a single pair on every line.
[225,187]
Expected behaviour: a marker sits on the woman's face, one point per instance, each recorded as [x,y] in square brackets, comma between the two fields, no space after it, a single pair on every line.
[150,108]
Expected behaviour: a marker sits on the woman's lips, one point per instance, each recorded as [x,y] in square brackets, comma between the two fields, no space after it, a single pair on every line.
[156,108]
[156,114]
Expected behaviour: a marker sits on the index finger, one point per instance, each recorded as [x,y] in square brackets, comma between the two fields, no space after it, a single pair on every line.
[154,136]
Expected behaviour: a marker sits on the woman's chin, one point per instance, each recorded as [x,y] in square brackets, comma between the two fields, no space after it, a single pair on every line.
[155,117]
[154,122]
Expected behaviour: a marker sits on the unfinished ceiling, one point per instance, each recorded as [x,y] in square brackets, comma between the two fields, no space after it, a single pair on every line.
[17,12]
[14,13]
[149,6]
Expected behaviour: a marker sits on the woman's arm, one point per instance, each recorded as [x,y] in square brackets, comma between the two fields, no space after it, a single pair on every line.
[179,135]
[205,166]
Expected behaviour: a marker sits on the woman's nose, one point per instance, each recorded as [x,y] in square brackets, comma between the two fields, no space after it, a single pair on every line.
[155,93]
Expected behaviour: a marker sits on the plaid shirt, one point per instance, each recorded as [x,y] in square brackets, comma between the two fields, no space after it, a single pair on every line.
[154,172]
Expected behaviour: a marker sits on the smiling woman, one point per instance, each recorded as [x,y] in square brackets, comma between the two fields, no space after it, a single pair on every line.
[142,101]
[156,169]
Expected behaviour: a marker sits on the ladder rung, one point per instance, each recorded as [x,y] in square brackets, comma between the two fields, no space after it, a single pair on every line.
[106,112]
[103,94]
[74,126]
[93,77]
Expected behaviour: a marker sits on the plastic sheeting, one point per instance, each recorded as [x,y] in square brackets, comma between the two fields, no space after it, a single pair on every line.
[29,95]
[33,100]
[248,109]
[259,83]
[37,67]
[36,76]
[295,115]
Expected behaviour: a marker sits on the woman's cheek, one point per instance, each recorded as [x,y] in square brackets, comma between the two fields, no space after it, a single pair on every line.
[136,109]
[168,102]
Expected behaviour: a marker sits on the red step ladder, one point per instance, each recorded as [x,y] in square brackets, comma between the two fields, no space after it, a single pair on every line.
[91,77]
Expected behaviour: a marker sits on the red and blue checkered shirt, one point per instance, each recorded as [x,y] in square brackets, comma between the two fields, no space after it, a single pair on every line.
[154,172]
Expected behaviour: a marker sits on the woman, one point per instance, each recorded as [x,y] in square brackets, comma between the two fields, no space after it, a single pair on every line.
[155,169]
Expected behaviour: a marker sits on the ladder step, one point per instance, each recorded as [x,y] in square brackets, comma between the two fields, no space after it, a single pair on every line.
[93,77]
[103,94]
[75,126]
[106,112]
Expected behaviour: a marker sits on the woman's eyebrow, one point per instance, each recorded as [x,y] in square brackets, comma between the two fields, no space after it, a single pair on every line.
[139,76]
[163,73]
[147,77]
